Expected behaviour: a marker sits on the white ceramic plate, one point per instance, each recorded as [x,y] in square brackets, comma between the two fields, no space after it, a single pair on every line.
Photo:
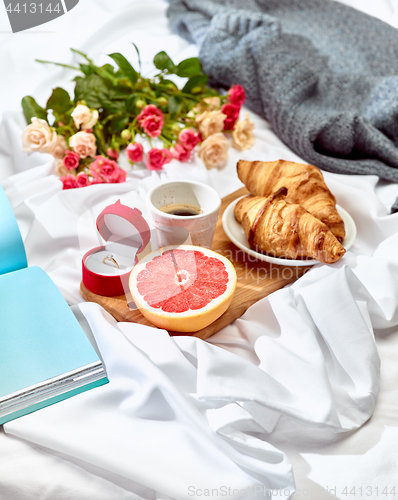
[235,233]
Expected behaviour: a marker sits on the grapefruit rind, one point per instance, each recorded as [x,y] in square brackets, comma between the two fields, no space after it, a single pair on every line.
[191,320]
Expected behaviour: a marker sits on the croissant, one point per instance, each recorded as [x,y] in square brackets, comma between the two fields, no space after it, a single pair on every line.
[305,185]
[283,229]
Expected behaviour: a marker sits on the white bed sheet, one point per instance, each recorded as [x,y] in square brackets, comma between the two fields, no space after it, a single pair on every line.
[77,450]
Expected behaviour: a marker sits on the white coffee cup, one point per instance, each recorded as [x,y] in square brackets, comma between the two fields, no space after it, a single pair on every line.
[179,229]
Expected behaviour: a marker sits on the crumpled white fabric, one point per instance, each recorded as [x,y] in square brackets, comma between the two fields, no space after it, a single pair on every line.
[168,419]
[181,412]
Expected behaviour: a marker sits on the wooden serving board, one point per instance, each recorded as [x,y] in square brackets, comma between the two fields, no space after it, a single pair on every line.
[256,279]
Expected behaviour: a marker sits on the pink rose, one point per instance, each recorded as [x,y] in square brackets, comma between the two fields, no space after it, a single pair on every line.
[83,143]
[152,125]
[156,158]
[135,152]
[188,138]
[105,168]
[151,120]
[82,180]
[180,153]
[122,175]
[236,95]
[232,112]
[97,180]
[71,160]
[112,153]
[149,110]
[68,182]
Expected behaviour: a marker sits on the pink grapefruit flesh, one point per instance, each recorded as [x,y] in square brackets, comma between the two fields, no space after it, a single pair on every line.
[183,288]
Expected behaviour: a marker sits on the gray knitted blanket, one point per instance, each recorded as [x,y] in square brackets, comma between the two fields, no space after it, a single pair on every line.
[324,75]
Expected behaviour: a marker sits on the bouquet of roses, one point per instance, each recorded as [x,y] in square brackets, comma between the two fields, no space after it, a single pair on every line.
[115,108]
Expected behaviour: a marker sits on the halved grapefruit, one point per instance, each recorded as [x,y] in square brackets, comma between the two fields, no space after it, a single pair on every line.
[183,288]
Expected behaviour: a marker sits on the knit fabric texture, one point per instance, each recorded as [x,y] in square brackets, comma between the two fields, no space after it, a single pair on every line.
[324,75]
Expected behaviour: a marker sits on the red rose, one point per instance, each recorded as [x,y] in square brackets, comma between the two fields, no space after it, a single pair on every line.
[232,112]
[105,168]
[180,153]
[68,182]
[188,138]
[151,120]
[156,158]
[71,160]
[112,153]
[236,95]
[82,180]
[135,152]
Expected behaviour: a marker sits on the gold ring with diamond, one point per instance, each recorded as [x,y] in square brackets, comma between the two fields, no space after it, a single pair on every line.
[110,258]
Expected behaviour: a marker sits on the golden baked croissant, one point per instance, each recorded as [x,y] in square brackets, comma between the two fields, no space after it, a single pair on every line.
[283,229]
[305,185]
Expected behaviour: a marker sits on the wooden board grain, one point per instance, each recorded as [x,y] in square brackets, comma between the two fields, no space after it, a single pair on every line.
[256,279]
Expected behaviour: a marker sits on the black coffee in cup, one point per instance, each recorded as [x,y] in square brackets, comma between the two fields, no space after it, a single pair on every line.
[182,210]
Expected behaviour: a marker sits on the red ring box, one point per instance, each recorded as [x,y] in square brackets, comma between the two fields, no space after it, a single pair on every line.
[126,234]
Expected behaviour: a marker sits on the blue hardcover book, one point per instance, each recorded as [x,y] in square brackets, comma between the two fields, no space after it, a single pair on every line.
[45,356]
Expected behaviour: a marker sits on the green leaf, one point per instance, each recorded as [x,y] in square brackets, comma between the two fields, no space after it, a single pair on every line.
[109,68]
[93,90]
[117,107]
[174,104]
[59,101]
[104,73]
[119,92]
[114,106]
[163,62]
[195,82]
[138,54]
[31,109]
[82,93]
[125,67]
[85,69]
[168,84]
[118,123]
[189,67]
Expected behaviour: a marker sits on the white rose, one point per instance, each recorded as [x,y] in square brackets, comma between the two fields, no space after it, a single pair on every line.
[210,122]
[85,117]
[38,136]
[83,143]
[59,148]
[92,122]
[212,103]
[242,135]
[214,150]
